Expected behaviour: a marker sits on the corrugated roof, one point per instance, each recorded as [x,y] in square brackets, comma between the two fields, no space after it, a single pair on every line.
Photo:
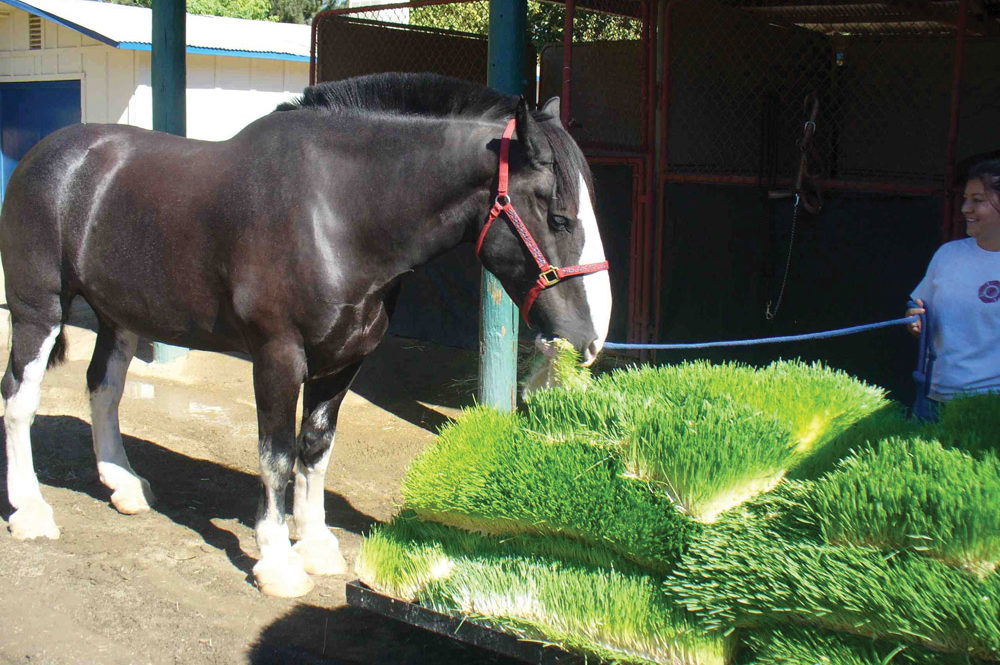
[128,27]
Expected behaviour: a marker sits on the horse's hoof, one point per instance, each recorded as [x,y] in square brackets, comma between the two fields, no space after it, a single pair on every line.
[287,580]
[33,520]
[133,499]
[321,556]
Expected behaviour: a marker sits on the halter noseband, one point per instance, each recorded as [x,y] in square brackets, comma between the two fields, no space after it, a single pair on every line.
[548,275]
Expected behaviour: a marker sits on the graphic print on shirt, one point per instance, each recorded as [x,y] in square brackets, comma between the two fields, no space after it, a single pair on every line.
[990,291]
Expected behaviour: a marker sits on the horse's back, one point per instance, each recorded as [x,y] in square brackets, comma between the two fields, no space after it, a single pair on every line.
[62,176]
[90,209]
[30,236]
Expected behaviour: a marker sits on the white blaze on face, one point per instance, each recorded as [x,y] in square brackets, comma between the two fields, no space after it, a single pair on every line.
[597,286]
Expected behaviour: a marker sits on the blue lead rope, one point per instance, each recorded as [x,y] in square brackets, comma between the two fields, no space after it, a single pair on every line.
[925,364]
[840,332]
[925,359]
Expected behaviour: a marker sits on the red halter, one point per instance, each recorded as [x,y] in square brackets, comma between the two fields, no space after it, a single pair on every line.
[548,275]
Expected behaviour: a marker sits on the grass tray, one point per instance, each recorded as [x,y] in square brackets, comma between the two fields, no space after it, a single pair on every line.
[457,628]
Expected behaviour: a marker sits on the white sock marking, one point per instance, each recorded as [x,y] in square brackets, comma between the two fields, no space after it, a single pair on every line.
[22,483]
[308,507]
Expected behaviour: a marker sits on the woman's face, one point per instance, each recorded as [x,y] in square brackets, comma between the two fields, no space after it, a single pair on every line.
[982,217]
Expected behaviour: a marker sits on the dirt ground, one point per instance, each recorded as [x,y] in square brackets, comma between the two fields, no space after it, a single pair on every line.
[173,585]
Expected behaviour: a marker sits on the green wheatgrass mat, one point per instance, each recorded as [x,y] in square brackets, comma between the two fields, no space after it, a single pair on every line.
[766,566]
[795,645]
[915,495]
[970,423]
[553,590]
[714,435]
[792,510]
[487,472]
[711,455]
[558,364]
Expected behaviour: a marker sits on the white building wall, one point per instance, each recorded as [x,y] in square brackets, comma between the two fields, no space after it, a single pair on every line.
[224,94]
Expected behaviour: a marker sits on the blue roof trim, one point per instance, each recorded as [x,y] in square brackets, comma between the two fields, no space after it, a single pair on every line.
[203,50]
[31,9]
[144,46]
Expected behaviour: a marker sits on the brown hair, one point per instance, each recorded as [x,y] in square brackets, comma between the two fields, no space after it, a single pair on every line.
[988,173]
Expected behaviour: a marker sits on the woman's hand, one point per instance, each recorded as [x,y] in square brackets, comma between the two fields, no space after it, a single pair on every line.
[915,328]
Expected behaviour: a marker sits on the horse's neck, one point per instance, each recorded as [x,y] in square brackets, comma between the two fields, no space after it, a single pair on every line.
[458,182]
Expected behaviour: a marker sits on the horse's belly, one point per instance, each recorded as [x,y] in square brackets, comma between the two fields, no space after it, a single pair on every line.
[205,326]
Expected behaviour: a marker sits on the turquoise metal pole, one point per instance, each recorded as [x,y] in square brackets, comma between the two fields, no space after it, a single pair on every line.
[498,320]
[169,82]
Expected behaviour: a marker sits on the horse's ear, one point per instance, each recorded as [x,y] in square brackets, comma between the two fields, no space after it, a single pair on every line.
[551,108]
[535,144]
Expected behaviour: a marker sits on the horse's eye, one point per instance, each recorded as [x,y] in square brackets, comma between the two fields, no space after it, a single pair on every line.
[560,223]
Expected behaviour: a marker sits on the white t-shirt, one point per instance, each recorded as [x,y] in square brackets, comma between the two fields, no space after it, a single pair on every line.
[962,292]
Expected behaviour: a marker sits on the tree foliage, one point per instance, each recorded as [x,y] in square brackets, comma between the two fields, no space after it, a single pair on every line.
[258,10]
[283,11]
[545,22]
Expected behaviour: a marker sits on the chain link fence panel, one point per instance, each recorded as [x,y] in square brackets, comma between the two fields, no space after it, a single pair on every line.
[368,40]
[738,72]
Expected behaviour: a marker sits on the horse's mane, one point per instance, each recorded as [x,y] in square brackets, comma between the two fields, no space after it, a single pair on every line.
[422,94]
[433,95]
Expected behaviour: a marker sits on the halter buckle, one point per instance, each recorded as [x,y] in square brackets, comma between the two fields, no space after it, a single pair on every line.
[502,200]
[550,277]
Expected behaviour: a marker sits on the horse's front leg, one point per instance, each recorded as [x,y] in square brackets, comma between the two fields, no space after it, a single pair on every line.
[278,371]
[321,399]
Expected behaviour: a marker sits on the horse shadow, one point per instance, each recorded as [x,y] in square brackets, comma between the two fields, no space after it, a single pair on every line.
[199,490]
[310,635]
[403,376]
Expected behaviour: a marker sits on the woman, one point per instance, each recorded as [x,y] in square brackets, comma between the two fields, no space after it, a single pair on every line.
[962,292]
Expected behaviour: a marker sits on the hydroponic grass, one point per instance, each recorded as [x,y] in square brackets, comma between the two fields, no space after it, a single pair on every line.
[748,572]
[970,423]
[796,645]
[552,589]
[915,495]
[592,493]
[558,365]
[489,473]
[712,455]
[716,435]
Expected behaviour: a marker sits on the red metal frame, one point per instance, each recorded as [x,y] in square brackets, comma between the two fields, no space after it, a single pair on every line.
[650,161]
[843,185]
[640,256]
[949,228]
[836,185]
[635,322]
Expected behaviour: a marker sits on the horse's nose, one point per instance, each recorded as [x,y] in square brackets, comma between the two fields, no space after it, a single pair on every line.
[590,355]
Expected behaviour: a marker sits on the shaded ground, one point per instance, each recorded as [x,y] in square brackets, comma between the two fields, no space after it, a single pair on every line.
[173,585]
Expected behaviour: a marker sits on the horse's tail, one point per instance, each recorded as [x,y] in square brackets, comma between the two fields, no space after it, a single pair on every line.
[58,354]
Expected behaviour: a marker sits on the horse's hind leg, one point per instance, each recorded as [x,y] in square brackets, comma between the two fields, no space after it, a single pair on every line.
[321,399]
[31,346]
[106,380]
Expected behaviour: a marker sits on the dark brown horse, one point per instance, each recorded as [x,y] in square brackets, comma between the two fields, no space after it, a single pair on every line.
[286,242]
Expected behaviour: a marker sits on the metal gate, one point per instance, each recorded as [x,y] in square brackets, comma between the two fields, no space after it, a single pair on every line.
[708,97]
